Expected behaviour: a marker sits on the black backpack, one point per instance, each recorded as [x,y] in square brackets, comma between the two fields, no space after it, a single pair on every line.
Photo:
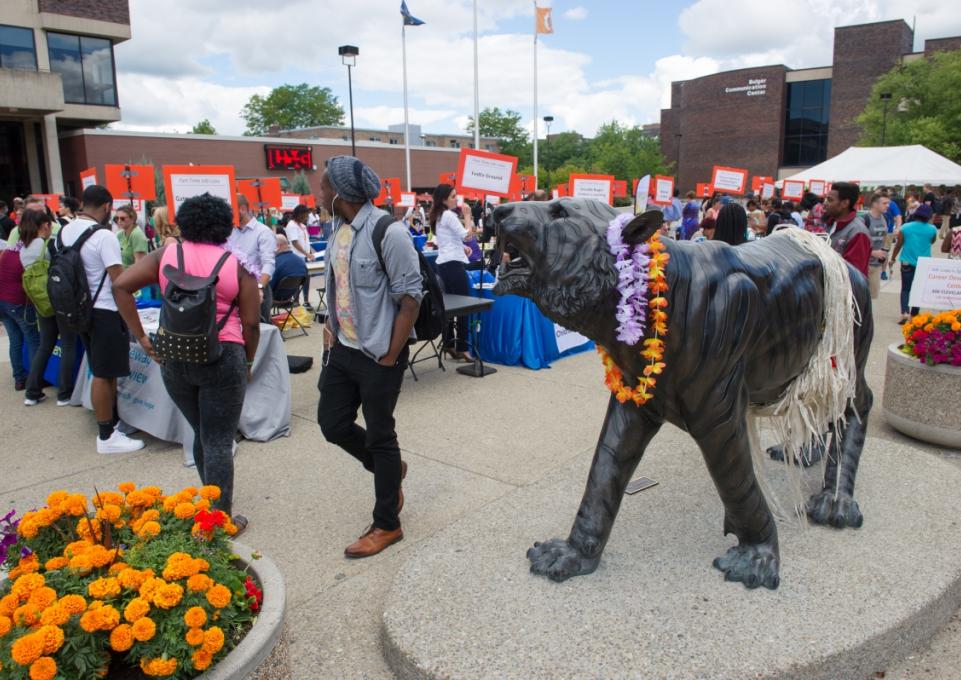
[189,330]
[67,285]
[432,318]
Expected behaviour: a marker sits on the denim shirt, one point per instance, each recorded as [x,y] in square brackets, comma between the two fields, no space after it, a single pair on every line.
[374,295]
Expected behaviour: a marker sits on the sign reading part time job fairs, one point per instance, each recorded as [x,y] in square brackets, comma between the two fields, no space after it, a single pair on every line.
[186,181]
[937,284]
[485,172]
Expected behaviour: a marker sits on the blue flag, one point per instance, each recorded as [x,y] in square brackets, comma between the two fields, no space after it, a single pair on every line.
[409,20]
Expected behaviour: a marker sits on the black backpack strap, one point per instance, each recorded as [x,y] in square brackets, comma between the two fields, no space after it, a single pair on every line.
[214,275]
[78,244]
[380,230]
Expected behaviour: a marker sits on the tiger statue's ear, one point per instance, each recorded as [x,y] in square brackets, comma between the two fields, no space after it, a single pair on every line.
[642,227]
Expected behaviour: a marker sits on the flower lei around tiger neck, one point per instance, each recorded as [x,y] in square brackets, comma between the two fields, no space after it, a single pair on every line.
[641,284]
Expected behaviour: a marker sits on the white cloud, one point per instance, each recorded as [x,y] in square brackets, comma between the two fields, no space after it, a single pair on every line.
[382,116]
[578,13]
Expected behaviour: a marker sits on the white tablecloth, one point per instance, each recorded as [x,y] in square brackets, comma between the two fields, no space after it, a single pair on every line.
[144,404]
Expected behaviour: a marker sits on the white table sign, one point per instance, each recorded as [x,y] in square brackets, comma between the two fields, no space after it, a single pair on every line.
[937,284]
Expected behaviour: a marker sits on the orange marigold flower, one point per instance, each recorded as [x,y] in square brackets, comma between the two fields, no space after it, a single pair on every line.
[57,615]
[5,625]
[27,615]
[219,596]
[194,637]
[104,588]
[195,617]
[116,568]
[55,563]
[136,609]
[43,597]
[202,659]
[100,556]
[132,579]
[169,596]
[109,513]
[158,667]
[144,629]
[121,638]
[126,487]
[109,616]
[56,498]
[210,492]
[202,504]
[184,511]
[74,604]
[27,649]
[53,638]
[139,499]
[43,668]
[150,588]
[26,584]
[213,639]
[82,564]
[9,604]
[149,530]
[199,583]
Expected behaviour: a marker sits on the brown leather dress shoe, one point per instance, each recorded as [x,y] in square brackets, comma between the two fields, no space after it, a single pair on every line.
[373,542]
[400,491]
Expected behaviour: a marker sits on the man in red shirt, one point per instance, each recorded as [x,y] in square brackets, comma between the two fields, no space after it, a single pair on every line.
[849,235]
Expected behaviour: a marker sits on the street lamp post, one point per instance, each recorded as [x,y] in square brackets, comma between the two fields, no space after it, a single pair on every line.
[547,121]
[348,55]
[885,98]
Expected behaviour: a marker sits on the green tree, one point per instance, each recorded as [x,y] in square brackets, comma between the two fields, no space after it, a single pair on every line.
[300,185]
[924,107]
[204,127]
[562,149]
[505,126]
[292,106]
[626,152]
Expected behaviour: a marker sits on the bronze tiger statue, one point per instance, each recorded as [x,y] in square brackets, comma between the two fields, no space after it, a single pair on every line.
[744,323]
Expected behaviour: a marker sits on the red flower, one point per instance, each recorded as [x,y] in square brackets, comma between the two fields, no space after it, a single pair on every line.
[209,520]
[253,593]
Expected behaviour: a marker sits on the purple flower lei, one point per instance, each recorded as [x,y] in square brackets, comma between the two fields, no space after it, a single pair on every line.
[244,259]
[632,280]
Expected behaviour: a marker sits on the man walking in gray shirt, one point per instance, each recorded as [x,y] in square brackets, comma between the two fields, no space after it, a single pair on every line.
[371,317]
[254,244]
[877,225]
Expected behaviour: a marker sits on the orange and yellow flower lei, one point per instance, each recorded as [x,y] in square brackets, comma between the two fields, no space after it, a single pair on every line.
[653,347]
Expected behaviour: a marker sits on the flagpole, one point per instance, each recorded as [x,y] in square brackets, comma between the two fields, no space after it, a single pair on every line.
[536,183]
[476,86]
[403,40]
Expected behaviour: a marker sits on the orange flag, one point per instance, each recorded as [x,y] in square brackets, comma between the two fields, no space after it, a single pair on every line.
[544,22]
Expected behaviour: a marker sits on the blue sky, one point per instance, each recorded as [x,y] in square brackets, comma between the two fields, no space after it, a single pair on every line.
[194,59]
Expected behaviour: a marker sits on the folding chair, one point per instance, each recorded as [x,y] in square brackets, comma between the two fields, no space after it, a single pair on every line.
[288,289]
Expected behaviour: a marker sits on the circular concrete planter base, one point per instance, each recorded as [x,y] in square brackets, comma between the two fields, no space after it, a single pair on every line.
[922,401]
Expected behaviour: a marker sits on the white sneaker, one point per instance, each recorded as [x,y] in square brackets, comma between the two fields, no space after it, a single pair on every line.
[118,443]
[63,402]
[34,402]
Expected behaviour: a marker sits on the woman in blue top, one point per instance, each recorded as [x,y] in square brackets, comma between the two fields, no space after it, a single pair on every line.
[913,241]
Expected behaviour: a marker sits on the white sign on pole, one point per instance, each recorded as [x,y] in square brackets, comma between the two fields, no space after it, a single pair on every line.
[487,174]
[555,194]
[767,190]
[643,189]
[817,187]
[598,189]
[490,198]
[188,186]
[937,284]
[289,201]
[663,190]
[88,181]
[407,200]
[568,339]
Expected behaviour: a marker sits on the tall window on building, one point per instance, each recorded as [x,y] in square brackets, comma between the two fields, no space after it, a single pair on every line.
[806,127]
[17,49]
[86,66]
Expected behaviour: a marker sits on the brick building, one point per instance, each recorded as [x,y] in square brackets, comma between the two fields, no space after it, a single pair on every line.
[56,74]
[393,135]
[774,120]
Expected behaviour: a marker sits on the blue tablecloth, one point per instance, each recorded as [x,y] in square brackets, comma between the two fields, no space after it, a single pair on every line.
[515,332]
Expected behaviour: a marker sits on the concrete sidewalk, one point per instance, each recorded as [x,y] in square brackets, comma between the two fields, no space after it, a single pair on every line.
[469,442]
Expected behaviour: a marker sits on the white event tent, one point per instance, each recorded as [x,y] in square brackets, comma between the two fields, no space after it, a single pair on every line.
[886,165]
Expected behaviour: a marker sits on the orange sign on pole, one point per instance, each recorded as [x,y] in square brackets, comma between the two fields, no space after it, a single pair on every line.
[792,189]
[486,172]
[620,188]
[389,191]
[52,201]
[261,193]
[729,180]
[447,178]
[818,187]
[88,178]
[598,187]
[703,190]
[131,182]
[662,190]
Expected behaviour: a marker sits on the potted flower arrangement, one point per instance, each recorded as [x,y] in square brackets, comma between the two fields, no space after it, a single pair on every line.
[923,378]
[138,581]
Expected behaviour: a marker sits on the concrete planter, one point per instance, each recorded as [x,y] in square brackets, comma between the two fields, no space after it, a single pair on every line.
[254,657]
[921,401]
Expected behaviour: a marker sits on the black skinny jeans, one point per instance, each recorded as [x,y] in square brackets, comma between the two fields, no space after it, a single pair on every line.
[211,397]
[352,380]
[50,330]
[454,276]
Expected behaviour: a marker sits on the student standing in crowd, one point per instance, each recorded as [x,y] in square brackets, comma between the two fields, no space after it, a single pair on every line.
[254,242]
[706,232]
[17,314]
[106,342]
[133,240]
[167,233]
[452,258]
[35,229]
[296,232]
[689,215]
[210,396]
[893,217]
[877,226]
[372,315]
[6,224]
[913,241]
[31,203]
[286,264]
[756,219]
[731,225]
[68,210]
[849,236]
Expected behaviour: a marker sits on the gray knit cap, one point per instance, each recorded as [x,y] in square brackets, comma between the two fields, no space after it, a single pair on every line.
[352,180]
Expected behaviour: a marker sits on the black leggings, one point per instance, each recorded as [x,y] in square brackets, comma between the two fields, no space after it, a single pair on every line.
[211,397]
[50,330]
[454,276]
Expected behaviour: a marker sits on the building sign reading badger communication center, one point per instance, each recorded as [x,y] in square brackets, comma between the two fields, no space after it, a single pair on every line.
[754,87]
